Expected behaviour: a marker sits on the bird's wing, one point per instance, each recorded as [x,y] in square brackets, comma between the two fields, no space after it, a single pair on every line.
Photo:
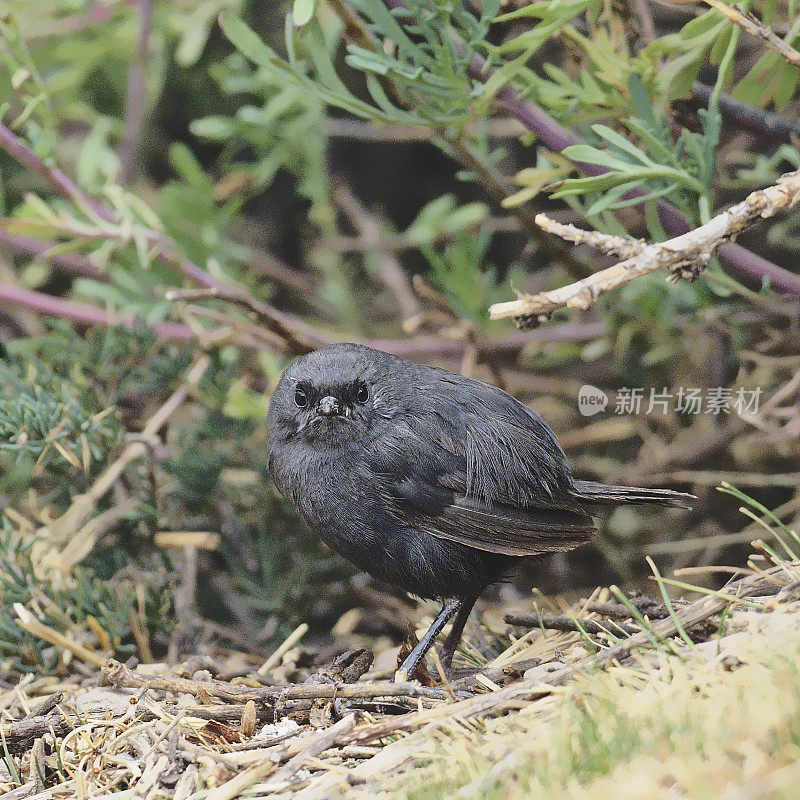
[495,528]
[472,465]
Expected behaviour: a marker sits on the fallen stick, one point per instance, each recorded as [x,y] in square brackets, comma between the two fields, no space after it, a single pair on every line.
[557,622]
[313,748]
[494,703]
[18,734]
[120,675]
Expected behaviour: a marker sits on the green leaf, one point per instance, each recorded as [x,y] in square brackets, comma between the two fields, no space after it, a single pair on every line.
[770,80]
[217,128]
[634,201]
[621,143]
[187,166]
[587,154]
[595,183]
[318,53]
[328,88]
[247,42]
[303,10]
[610,198]
[655,138]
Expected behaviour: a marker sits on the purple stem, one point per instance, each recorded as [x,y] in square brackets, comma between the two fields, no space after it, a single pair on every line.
[420,347]
[86,314]
[167,250]
[71,263]
[52,174]
[135,103]
[740,261]
[75,23]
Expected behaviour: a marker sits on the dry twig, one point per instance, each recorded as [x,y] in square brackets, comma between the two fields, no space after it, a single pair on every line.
[684,256]
[120,675]
[752,25]
[556,622]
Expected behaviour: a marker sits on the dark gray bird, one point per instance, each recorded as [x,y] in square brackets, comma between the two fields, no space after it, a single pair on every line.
[427,480]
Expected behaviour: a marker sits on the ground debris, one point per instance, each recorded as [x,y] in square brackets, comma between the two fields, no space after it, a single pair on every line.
[164,731]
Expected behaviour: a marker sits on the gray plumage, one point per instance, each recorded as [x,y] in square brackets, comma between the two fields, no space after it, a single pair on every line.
[427,480]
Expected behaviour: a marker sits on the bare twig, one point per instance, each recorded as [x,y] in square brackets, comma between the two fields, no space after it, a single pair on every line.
[321,742]
[120,675]
[755,27]
[358,130]
[754,120]
[33,727]
[291,640]
[29,623]
[684,256]
[646,21]
[438,347]
[620,611]
[317,745]
[561,623]
[300,337]
[50,173]
[400,241]
[86,314]
[37,765]
[49,252]
[264,263]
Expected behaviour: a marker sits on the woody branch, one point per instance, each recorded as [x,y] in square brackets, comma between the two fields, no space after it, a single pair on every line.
[684,256]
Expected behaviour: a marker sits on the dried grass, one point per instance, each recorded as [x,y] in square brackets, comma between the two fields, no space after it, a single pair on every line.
[612,696]
[718,718]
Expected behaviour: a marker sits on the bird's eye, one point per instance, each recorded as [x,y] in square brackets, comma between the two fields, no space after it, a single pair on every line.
[300,398]
[363,394]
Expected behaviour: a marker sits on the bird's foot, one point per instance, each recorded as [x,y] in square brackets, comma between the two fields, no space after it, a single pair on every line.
[414,667]
[415,660]
[429,674]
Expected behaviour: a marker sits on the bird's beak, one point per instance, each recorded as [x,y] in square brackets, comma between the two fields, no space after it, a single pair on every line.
[329,407]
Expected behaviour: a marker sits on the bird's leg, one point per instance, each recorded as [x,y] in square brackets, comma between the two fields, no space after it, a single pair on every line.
[454,637]
[409,666]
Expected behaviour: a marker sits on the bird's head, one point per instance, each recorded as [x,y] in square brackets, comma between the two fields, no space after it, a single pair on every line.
[335,396]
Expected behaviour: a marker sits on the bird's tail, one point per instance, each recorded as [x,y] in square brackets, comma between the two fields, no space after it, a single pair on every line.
[603,494]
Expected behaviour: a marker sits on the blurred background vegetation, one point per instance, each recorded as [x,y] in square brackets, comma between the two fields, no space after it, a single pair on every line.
[362,170]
